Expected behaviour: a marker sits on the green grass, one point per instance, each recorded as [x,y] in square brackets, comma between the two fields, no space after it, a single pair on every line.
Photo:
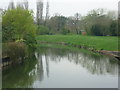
[96,42]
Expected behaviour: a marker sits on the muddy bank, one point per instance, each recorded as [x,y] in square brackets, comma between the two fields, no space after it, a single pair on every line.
[115,54]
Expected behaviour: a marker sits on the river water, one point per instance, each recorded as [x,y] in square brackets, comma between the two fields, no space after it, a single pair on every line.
[63,68]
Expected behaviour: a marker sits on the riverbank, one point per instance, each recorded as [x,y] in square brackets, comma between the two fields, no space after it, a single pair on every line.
[103,44]
[13,53]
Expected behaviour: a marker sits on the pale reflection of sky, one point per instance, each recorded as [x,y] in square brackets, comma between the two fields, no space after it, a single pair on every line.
[70,7]
[64,73]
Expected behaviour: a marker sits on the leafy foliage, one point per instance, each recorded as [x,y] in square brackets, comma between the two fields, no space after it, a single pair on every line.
[65,31]
[42,30]
[97,30]
[56,24]
[113,29]
[17,23]
[99,23]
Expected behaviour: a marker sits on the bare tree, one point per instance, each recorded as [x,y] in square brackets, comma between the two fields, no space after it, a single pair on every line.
[11,5]
[39,11]
[25,4]
[77,18]
[20,4]
[47,13]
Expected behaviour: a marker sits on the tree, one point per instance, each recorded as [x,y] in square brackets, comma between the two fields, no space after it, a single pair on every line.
[97,30]
[25,4]
[113,28]
[11,5]
[77,18]
[98,18]
[42,30]
[90,20]
[47,13]
[17,23]
[112,15]
[39,12]
[57,23]
[70,25]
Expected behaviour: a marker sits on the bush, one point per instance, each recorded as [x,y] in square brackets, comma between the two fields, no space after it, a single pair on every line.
[65,31]
[97,30]
[31,42]
[42,30]
[16,51]
[16,23]
[113,29]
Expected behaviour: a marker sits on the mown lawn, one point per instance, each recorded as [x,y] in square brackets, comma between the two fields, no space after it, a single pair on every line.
[96,42]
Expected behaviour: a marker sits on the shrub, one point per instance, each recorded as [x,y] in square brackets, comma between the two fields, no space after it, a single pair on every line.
[16,23]
[65,31]
[42,30]
[16,51]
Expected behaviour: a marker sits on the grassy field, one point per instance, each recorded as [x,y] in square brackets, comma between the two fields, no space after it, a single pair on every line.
[96,42]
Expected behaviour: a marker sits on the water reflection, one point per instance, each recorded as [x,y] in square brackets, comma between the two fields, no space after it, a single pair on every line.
[50,67]
[19,76]
[95,64]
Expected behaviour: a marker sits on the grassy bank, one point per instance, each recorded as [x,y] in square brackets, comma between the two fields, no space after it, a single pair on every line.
[96,42]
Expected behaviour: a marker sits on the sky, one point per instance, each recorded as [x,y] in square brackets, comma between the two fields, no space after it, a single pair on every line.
[69,7]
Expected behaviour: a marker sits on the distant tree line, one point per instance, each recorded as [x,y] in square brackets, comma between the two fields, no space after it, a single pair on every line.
[97,22]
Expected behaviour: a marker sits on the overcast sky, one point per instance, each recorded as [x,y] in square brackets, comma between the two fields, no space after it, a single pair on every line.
[70,7]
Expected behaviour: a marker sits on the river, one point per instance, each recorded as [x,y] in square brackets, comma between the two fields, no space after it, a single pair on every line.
[63,68]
